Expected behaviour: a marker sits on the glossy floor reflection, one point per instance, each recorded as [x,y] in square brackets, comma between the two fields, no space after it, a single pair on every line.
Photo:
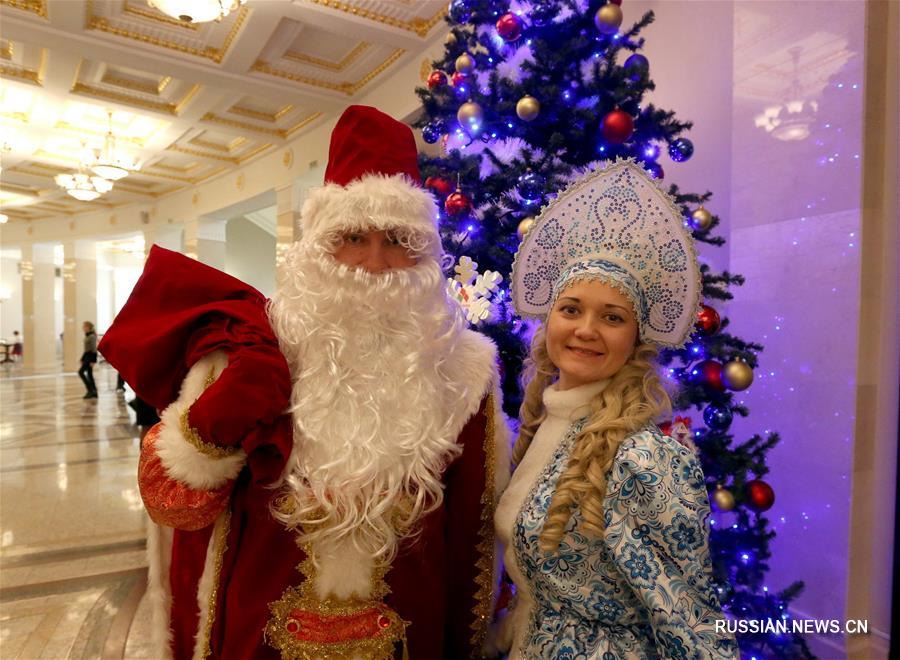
[72,526]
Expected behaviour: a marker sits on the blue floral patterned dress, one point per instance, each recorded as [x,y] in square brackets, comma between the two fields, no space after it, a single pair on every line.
[644,590]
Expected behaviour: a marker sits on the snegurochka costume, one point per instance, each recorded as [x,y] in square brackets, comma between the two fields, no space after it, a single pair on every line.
[227,579]
[645,589]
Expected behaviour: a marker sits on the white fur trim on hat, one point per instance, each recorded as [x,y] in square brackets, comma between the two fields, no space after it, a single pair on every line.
[373,202]
[181,460]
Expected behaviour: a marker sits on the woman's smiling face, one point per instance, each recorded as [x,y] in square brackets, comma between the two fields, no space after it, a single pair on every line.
[591,333]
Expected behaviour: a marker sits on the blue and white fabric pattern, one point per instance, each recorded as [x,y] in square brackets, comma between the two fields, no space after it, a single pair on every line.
[644,590]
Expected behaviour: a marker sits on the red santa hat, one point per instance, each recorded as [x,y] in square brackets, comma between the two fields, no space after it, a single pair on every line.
[372,180]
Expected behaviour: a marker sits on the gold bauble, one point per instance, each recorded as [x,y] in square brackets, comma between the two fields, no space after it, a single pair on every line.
[470,114]
[608,18]
[722,499]
[450,40]
[737,375]
[701,219]
[528,108]
[525,226]
[465,63]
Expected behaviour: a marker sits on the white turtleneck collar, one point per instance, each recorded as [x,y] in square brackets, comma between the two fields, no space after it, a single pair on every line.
[571,404]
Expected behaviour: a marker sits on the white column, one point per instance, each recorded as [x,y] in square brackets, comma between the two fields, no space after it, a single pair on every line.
[163,236]
[79,297]
[37,307]
[287,224]
[211,242]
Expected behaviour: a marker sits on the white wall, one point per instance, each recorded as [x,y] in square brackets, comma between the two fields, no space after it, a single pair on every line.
[250,255]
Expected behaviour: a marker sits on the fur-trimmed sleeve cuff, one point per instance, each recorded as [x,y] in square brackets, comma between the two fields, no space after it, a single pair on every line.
[185,456]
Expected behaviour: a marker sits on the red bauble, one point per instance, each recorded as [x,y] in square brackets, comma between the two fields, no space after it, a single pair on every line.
[615,2]
[708,321]
[760,496]
[437,79]
[440,186]
[710,374]
[618,126]
[457,203]
[509,27]
[458,79]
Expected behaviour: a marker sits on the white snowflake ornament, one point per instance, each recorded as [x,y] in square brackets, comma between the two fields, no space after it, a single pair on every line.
[475,292]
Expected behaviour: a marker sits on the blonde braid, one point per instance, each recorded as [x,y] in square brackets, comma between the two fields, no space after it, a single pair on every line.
[634,397]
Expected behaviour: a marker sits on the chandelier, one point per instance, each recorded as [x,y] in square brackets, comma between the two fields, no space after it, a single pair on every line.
[790,120]
[82,186]
[197,11]
[110,165]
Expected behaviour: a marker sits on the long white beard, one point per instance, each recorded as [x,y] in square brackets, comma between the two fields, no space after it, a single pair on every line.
[373,401]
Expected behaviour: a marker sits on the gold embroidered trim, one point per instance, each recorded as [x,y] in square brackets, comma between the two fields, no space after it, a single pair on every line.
[190,434]
[221,537]
[303,603]
[484,596]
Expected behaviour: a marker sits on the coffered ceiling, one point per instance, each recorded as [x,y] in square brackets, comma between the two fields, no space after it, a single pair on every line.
[188,101]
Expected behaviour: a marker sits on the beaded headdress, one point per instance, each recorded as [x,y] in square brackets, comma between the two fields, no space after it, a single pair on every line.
[617,226]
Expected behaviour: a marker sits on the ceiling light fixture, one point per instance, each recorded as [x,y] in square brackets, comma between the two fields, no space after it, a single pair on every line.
[82,186]
[197,11]
[110,165]
[790,120]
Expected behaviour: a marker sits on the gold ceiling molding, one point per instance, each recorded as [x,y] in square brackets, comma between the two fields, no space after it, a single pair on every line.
[227,148]
[81,130]
[35,77]
[213,118]
[6,51]
[303,122]
[163,83]
[346,87]
[172,168]
[27,191]
[235,160]
[159,106]
[210,52]
[191,180]
[21,117]
[38,7]
[133,85]
[202,154]
[270,117]
[340,65]
[419,26]
[158,16]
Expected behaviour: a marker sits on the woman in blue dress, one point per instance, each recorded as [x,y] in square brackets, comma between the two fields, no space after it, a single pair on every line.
[604,522]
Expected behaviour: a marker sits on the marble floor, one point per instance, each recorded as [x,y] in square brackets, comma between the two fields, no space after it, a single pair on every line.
[72,526]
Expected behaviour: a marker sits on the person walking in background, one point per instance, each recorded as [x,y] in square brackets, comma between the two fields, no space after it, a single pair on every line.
[17,347]
[88,359]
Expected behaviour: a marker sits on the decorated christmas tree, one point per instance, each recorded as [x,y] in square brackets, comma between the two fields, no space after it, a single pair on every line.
[528,96]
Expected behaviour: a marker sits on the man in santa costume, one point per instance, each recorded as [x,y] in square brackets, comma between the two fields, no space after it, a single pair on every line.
[324,475]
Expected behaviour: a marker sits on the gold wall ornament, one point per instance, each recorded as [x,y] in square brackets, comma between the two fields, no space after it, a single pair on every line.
[425,69]
[71,225]
[195,199]
[113,220]
[287,159]
[239,181]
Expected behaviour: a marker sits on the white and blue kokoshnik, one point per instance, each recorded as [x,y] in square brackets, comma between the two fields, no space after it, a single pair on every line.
[643,591]
[615,225]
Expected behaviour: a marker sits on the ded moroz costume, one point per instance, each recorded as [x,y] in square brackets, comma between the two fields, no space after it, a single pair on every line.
[323,479]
